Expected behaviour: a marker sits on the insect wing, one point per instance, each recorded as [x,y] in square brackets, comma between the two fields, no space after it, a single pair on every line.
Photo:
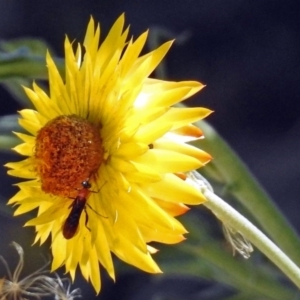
[71,225]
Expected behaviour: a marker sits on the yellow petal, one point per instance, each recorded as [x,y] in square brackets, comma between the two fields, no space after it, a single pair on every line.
[165,161]
[168,144]
[173,189]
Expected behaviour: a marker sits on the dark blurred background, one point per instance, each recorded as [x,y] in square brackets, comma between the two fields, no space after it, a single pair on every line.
[246,52]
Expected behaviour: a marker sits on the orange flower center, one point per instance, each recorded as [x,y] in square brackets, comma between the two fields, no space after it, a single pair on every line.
[68,150]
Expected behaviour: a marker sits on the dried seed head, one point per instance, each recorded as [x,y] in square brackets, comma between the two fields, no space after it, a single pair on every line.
[68,151]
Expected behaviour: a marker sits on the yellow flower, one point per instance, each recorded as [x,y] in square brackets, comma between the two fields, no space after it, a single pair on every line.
[107,141]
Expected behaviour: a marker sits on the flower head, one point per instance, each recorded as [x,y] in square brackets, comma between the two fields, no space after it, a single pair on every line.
[35,285]
[105,154]
[14,288]
[61,288]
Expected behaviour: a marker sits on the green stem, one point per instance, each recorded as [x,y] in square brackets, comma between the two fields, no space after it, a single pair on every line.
[230,216]
[247,190]
[228,270]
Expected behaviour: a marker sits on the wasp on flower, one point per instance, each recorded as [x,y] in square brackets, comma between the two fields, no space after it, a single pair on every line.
[105,119]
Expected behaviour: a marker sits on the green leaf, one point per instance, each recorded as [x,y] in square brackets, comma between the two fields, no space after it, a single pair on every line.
[24,58]
[204,256]
[8,124]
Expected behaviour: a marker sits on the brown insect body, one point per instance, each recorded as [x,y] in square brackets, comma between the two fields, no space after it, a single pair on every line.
[72,222]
